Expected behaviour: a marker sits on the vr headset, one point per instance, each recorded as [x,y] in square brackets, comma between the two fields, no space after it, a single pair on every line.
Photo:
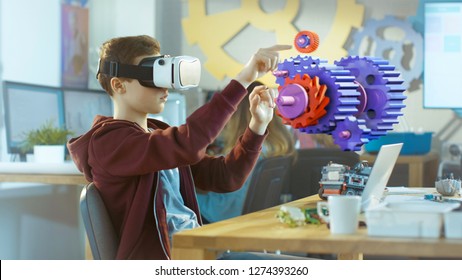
[177,72]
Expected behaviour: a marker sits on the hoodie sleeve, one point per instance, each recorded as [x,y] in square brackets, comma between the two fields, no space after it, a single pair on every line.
[226,174]
[126,150]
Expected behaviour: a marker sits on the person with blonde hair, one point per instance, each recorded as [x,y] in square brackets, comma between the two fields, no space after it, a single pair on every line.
[279,142]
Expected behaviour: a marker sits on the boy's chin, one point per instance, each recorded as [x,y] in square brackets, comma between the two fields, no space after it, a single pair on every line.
[159,109]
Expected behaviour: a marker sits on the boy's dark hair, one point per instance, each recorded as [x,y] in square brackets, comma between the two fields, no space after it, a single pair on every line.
[125,50]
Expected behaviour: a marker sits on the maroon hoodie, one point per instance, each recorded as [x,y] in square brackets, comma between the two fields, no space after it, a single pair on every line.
[123,162]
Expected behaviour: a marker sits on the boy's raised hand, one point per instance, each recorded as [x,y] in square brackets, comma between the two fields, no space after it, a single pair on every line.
[264,60]
[261,108]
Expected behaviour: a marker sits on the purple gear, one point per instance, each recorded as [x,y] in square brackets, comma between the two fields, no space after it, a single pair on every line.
[303,41]
[342,92]
[351,134]
[294,66]
[341,89]
[384,92]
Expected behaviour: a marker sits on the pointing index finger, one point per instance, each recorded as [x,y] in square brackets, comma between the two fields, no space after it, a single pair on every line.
[279,48]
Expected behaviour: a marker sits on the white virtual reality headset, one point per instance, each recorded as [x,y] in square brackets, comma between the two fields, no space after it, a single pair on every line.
[175,72]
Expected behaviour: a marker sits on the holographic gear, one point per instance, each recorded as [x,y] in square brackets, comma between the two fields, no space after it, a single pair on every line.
[384,91]
[341,89]
[301,101]
[351,134]
[306,41]
[356,99]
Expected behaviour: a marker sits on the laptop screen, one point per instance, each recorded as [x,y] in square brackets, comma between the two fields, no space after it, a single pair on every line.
[381,171]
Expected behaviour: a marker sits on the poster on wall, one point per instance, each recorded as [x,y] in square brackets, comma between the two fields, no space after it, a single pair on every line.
[74,45]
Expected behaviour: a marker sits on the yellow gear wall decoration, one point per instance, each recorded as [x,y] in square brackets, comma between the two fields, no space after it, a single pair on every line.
[212,32]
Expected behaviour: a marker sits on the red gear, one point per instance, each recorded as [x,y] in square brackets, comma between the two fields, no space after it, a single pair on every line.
[317,101]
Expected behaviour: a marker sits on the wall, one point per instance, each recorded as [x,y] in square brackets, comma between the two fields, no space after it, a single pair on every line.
[115,18]
[31,41]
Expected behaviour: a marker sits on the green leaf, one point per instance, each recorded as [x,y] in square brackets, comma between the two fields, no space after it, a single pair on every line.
[47,134]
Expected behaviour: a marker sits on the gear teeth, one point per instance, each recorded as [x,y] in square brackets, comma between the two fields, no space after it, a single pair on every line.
[349,101]
[351,93]
[396,105]
[393,77]
[388,68]
[395,88]
[384,91]
[341,89]
[316,99]
[297,65]
[358,132]
[392,121]
[387,82]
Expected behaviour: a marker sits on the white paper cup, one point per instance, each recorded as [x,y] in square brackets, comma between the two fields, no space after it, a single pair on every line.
[343,212]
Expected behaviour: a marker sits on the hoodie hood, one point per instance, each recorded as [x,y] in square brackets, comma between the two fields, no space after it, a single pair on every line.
[79,146]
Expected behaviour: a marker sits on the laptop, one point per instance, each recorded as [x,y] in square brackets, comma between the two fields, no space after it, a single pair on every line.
[380,174]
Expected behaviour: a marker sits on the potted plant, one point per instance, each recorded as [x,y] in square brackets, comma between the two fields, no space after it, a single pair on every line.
[47,143]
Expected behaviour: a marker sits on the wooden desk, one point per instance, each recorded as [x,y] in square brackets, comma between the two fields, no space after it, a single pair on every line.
[58,179]
[261,230]
[422,169]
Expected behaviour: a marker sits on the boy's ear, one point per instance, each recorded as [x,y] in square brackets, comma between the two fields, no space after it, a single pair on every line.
[117,85]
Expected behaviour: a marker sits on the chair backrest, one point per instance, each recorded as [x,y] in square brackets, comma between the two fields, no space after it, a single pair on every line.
[305,174]
[268,179]
[101,234]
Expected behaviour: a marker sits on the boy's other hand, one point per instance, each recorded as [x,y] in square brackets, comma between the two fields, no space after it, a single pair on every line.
[264,60]
[261,108]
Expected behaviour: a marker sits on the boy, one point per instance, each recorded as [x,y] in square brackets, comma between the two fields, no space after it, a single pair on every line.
[146,171]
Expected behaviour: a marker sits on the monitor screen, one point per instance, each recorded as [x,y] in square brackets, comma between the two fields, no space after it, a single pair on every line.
[82,105]
[28,107]
[443,55]
[174,112]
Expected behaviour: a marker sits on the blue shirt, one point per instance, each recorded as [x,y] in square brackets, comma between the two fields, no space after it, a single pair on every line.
[179,217]
[215,207]
[221,206]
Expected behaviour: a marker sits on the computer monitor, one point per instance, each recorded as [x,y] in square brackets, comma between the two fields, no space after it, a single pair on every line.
[82,105]
[442,54]
[28,107]
[174,112]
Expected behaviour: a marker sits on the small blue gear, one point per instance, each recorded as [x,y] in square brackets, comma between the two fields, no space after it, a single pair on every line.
[351,134]
[372,28]
[384,92]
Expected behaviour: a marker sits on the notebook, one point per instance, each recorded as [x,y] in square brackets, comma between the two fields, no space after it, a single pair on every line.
[380,174]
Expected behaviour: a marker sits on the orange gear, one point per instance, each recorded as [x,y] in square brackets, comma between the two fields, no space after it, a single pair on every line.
[317,101]
[313,44]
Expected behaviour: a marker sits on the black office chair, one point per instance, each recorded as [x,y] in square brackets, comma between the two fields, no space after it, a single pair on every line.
[102,236]
[266,184]
[305,174]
